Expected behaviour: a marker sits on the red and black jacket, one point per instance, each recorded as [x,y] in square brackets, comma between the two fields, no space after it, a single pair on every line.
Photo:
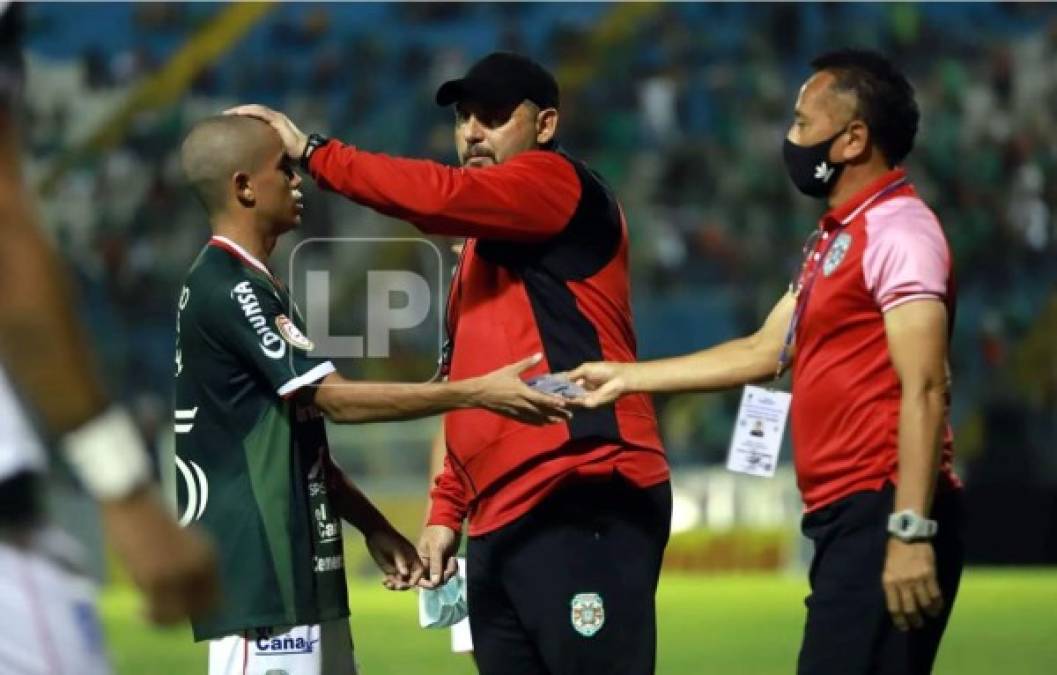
[545,269]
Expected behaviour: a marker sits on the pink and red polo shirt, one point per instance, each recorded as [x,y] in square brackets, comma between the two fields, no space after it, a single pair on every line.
[880,249]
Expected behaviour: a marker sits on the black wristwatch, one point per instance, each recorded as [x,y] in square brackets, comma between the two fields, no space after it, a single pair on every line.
[315,142]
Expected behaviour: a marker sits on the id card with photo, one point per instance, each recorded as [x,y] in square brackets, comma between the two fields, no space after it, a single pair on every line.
[758,431]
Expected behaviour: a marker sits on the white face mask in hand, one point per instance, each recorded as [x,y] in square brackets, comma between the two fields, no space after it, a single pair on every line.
[445,606]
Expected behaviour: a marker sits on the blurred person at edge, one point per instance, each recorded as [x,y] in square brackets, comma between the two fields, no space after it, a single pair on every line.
[553,511]
[865,326]
[48,377]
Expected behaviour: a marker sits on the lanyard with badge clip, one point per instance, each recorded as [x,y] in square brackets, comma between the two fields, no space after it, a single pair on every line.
[762,414]
[801,291]
[760,425]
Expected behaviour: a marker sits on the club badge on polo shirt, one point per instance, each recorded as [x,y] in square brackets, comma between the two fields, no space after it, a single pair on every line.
[292,334]
[836,253]
[588,613]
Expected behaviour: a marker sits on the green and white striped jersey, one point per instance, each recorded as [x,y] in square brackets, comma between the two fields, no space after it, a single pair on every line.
[248,456]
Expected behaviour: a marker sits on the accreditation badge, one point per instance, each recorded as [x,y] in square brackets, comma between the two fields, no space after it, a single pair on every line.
[758,431]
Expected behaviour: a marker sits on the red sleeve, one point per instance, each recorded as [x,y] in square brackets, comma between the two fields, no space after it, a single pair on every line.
[448,499]
[530,197]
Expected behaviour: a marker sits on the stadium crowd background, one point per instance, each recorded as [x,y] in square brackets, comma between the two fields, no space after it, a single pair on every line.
[681,107]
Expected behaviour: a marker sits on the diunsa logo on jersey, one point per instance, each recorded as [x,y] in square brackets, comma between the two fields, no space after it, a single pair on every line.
[292,334]
[272,345]
[836,253]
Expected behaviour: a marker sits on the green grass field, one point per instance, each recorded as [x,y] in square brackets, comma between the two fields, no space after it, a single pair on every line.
[1005,622]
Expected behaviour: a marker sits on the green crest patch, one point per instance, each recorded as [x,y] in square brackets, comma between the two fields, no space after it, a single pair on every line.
[588,613]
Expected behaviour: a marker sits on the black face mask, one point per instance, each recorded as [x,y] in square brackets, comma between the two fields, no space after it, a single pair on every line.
[809,166]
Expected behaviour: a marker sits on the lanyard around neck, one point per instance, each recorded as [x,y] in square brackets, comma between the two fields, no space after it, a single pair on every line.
[803,291]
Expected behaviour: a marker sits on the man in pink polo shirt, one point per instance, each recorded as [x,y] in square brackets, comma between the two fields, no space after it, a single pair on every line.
[865,327]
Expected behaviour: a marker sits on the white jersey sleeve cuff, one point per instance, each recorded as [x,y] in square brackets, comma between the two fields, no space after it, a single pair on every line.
[317,373]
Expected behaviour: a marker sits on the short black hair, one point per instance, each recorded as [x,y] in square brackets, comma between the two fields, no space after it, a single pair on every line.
[885,98]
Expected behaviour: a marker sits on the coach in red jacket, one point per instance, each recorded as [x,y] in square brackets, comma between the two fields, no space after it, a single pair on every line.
[568,522]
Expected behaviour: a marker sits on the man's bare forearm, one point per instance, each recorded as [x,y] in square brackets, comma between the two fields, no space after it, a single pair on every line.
[921,419]
[731,364]
[42,345]
[351,402]
[724,366]
[350,503]
[438,449]
[917,343]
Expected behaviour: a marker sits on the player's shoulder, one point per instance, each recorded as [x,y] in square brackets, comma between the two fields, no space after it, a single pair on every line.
[207,273]
[218,282]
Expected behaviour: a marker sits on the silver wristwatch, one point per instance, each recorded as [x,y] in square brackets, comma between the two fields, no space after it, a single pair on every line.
[908,526]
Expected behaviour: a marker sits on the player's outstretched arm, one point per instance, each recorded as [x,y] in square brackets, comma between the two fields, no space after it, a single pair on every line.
[731,364]
[501,391]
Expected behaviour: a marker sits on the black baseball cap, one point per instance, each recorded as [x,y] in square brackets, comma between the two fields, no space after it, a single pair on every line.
[500,78]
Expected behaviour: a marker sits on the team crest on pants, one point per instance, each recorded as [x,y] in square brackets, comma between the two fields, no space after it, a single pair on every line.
[588,613]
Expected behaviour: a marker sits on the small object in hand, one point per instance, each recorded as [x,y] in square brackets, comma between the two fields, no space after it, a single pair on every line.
[445,606]
[559,386]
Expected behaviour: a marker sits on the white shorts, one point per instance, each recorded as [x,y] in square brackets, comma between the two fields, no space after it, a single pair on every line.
[51,626]
[461,639]
[323,649]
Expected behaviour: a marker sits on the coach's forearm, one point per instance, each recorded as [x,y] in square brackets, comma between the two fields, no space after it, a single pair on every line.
[438,452]
[921,416]
[724,366]
[345,401]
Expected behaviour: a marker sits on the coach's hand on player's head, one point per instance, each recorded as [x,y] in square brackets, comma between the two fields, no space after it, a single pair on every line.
[437,547]
[294,140]
[504,392]
[396,557]
[910,584]
[175,568]
[604,381]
